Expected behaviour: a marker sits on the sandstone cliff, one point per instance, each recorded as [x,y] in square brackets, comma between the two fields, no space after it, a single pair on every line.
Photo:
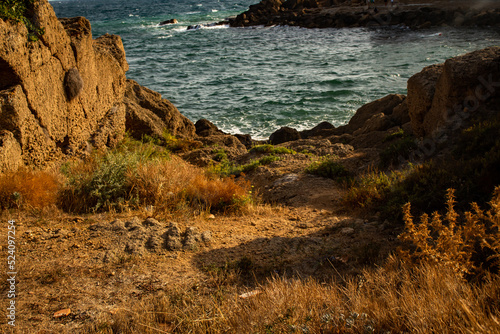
[66,93]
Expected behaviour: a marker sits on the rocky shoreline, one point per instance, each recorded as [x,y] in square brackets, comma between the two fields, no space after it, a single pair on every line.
[342,14]
[68,93]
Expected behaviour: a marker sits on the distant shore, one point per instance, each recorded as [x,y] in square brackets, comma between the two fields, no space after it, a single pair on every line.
[336,14]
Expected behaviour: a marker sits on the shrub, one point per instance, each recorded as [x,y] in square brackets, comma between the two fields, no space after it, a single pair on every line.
[459,244]
[330,169]
[100,182]
[271,149]
[172,185]
[398,151]
[25,188]
[175,144]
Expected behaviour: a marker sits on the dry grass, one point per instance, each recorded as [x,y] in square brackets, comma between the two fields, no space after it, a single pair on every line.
[172,184]
[397,299]
[28,189]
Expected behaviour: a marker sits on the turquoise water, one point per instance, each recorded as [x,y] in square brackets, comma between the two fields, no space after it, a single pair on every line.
[255,80]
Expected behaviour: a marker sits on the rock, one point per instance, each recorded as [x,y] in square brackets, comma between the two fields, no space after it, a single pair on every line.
[400,114]
[322,129]
[245,140]
[147,113]
[421,89]
[173,238]
[171,21]
[10,151]
[152,223]
[384,106]
[283,135]
[466,83]
[191,238]
[347,231]
[73,83]
[205,128]
[67,91]
[206,237]
[378,122]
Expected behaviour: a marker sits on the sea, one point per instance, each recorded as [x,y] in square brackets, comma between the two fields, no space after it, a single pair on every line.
[256,80]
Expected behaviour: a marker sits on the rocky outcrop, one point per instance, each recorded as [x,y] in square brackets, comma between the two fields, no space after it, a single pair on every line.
[68,92]
[444,96]
[147,113]
[340,14]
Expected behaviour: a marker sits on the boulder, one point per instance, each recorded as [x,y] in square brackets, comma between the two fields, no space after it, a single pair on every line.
[443,96]
[10,152]
[322,129]
[205,128]
[148,113]
[465,84]
[421,89]
[284,135]
[67,92]
[384,106]
[171,21]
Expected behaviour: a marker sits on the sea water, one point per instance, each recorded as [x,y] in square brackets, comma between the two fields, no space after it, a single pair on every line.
[255,80]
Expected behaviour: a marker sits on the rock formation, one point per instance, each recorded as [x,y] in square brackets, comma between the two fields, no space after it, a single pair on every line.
[444,96]
[340,14]
[67,92]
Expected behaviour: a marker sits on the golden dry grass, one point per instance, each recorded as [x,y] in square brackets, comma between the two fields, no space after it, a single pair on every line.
[28,189]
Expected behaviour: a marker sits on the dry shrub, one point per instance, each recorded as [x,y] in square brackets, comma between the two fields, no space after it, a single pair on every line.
[456,242]
[25,188]
[172,184]
[219,194]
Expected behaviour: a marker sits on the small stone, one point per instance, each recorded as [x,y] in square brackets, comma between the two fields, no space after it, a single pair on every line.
[347,231]
[151,222]
[211,216]
[62,313]
[173,237]
[191,238]
[206,237]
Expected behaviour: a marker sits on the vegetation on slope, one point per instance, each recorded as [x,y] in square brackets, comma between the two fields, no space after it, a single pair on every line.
[21,11]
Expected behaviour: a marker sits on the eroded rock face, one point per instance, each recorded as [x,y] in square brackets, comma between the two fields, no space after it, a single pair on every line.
[148,113]
[68,92]
[443,96]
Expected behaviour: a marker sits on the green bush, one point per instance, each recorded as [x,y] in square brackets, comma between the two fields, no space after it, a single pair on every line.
[397,151]
[20,11]
[271,149]
[330,169]
[101,182]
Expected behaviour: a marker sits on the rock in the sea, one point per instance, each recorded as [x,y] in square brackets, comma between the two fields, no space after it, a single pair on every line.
[171,21]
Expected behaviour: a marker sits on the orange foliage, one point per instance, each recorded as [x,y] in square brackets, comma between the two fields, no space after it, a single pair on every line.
[25,188]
